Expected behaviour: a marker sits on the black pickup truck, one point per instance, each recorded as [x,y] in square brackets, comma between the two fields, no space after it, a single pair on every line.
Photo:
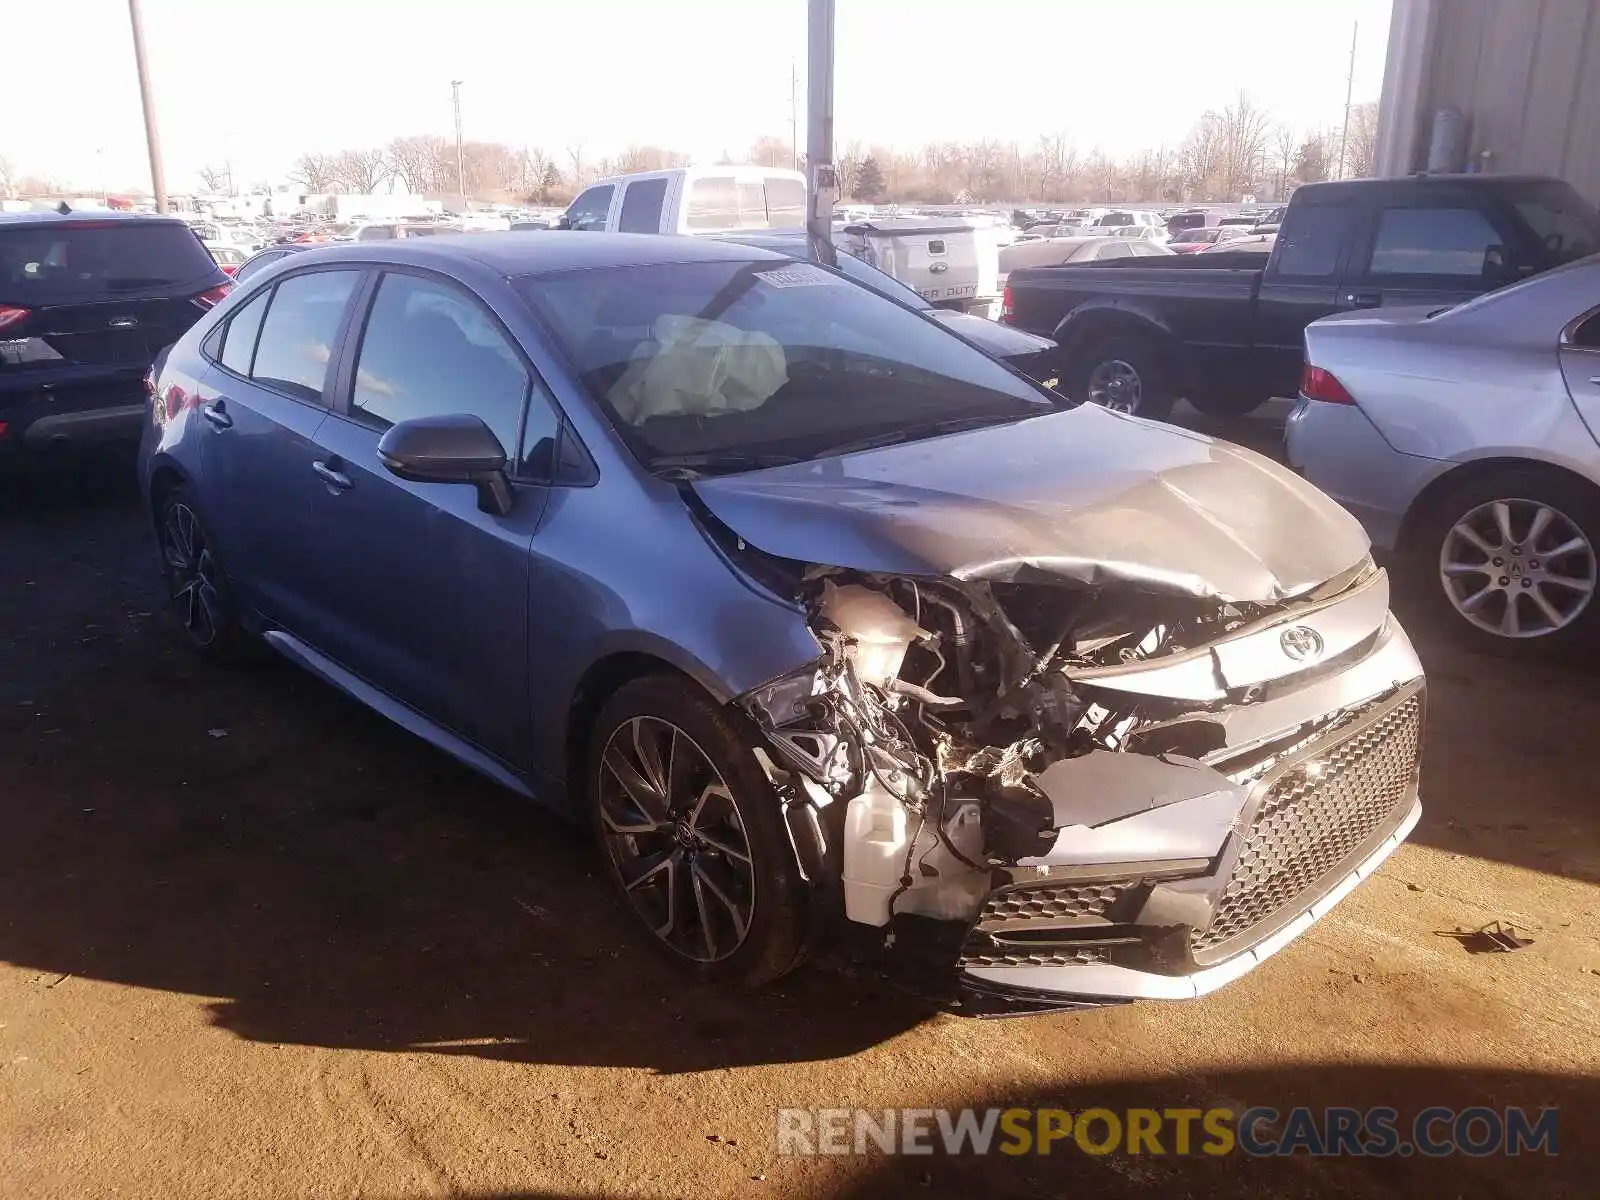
[1226,333]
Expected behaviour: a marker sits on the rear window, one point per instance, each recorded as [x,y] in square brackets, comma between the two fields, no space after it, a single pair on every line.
[62,262]
[1565,224]
[714,203]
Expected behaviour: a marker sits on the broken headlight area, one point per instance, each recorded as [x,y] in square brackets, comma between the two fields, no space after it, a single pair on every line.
[1032,774]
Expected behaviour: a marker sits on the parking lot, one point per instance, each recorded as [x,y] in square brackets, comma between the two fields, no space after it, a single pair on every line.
[254,941]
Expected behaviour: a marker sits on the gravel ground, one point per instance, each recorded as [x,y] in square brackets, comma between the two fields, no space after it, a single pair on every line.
[255,942]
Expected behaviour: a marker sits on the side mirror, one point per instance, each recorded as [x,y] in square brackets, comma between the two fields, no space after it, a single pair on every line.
[562,222]
[458,448]
[1495,270]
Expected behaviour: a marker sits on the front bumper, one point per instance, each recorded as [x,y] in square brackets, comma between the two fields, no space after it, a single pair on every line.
[1240,856]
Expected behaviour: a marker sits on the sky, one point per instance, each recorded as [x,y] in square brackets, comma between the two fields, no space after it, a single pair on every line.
[259,82]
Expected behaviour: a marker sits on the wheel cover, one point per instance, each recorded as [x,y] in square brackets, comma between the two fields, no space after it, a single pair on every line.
[1518,568]
[673,831]
[1115,384]
[192,578]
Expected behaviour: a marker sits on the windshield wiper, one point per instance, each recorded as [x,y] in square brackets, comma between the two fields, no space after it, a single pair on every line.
[891,437]
[716,462]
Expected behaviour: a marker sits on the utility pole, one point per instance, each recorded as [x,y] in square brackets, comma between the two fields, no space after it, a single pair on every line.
[158,179]
[794,115]
[822,181]
[461,168]
[1349,92]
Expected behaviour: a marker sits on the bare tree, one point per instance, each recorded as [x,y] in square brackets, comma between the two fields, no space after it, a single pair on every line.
[770,151]
[645,158]
[360,171]
[1311,159]
[1285,142]
[315,172]
[1361,152]
[575,157]
[8,176]
[215,179]
[422,162]
[1202,156]
[1244,144]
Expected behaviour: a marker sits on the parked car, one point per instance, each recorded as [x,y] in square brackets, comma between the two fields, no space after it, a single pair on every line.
[1077,249]
[1225,330]
[227,256]
[86,303]
[1465,440]
[1197,238]
[1027,352]
[781,586]
[271,254]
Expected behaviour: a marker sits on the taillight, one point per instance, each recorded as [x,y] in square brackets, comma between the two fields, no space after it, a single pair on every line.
[1007,310]
[212,297]
[10,316]
[229,270]
[1319,384]
[150,383]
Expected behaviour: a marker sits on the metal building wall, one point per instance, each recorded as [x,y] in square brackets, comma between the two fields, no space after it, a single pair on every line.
[1526,72]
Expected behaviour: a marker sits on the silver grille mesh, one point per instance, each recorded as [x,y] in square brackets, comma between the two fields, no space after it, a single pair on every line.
[1314,818]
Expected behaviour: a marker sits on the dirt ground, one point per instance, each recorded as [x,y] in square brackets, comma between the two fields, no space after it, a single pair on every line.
[255,942]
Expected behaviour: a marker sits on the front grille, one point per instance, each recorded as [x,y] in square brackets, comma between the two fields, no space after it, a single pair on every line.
[1052,904]
[1311,825]
[1045,956]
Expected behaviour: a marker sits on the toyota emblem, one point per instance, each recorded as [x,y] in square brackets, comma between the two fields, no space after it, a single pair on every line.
[1302,643]
[938,268]
[123,322]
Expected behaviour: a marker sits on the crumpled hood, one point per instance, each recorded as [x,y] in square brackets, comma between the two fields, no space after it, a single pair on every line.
[1083,494]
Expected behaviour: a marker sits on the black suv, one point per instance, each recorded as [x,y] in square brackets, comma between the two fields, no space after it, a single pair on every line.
[87,302]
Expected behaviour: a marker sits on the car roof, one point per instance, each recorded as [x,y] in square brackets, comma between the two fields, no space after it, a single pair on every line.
[51,216]
[1408,184]
[544,252]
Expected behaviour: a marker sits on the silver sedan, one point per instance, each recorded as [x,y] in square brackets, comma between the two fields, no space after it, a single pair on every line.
[1465,441]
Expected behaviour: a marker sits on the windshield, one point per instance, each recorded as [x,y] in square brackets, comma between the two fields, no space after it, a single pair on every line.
[740,363]
[61,262]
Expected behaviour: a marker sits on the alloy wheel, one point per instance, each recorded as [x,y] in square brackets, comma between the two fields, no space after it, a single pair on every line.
[675,836]
[1518,568]
[191,574]
[1115,384]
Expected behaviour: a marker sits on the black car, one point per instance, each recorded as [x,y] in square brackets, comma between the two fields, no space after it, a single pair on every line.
[87,302]
[1027,352]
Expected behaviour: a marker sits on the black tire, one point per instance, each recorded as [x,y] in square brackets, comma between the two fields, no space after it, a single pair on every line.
[1143,356]
[774,937]
[1225,404]
[197,586]
[1527,489]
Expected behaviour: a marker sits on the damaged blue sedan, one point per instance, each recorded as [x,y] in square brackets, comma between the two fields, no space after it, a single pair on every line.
[834,628]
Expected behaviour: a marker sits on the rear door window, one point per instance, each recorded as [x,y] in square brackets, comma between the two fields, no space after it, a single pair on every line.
[588,212]
[239,337]
[713,203]
[1432,241]
[1311,243]
[300,332]
[62,262]
[641,206]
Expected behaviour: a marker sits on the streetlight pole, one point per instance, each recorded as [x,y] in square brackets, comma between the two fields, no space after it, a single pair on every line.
[461,170]
[158,179]
[1349,94]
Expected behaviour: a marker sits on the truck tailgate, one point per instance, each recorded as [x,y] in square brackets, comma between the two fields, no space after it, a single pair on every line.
[950,265]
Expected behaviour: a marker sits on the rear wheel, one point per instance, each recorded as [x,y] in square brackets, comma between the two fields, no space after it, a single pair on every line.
[1125,374]
[1511,562]
[692,832]
[196,585]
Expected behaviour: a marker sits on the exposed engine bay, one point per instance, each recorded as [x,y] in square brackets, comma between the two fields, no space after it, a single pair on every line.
[1045,774]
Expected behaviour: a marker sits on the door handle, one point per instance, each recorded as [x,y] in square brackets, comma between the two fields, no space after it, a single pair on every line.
[217,414]
[1363,299]
[1595,379]
[335,479]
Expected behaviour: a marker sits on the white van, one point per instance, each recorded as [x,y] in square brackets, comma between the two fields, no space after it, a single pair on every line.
[691,200]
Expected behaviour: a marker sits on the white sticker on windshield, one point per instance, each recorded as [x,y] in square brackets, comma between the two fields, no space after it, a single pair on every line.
[799,275]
